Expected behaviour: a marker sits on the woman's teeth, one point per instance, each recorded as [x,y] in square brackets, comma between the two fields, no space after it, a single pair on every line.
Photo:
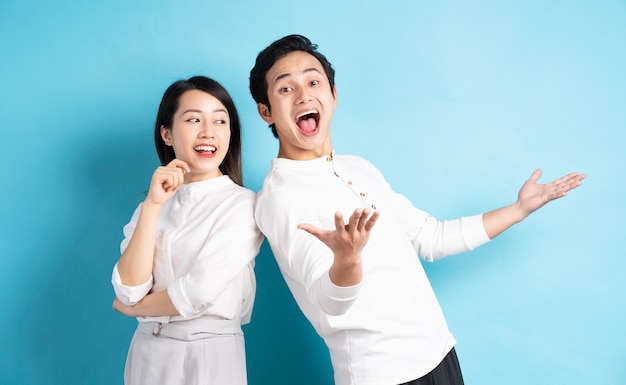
[205,149]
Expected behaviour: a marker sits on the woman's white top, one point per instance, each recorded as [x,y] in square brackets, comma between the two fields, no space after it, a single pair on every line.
[206,243]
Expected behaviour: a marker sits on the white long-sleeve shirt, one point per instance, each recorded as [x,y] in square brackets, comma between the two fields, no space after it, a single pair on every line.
[389,328]
[206,243]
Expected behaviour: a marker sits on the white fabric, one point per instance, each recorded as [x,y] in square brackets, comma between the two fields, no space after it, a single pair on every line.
[206,243]
[389,328]
[204,254]
[152,360]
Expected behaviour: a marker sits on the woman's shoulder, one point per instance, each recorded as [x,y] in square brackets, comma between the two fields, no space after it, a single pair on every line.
[233,190]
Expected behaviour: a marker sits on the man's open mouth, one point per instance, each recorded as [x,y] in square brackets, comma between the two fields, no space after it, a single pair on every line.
[308,121]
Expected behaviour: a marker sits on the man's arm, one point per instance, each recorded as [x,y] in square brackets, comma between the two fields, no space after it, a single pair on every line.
[531,197]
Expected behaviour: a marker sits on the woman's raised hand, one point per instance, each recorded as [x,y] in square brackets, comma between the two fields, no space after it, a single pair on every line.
[166,180]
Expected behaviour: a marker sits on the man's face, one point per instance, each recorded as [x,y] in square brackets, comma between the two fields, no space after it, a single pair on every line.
[302,106]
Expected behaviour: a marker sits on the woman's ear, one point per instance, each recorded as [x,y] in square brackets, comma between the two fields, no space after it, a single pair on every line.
[265,113]
[166,134]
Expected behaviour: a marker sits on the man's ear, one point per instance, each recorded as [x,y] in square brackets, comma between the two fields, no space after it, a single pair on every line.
[265,113]
[166,134]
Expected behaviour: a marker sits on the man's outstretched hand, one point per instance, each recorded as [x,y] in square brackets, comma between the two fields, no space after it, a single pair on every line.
[346,242]
[533,195]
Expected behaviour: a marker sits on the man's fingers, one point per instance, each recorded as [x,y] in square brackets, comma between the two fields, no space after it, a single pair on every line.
[372,221]
[315,231]
[358,216]
[361,220]
[339,221]
[536,175]
[354,219]
[306,227]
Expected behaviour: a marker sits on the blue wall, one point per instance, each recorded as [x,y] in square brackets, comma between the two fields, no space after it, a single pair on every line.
[456,102]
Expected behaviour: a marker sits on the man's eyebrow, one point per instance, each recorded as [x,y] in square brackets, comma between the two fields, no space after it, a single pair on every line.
[282,76]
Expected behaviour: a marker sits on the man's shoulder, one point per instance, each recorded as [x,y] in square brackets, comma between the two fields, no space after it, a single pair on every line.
[278,187]
[355,162]
[348,158]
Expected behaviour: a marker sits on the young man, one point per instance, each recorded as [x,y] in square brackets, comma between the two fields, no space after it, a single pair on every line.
[360,284]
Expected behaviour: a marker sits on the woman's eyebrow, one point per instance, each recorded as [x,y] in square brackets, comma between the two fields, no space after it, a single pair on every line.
[200,111]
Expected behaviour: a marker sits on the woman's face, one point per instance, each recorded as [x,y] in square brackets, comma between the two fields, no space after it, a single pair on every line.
[200,134]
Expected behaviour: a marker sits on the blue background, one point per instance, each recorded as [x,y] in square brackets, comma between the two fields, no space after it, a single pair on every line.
[456,102]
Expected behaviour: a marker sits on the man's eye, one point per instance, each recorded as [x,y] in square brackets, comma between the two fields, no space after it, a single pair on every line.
[315,82]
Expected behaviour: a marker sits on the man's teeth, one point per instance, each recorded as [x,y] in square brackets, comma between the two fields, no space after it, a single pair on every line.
[205,148]
[312,112]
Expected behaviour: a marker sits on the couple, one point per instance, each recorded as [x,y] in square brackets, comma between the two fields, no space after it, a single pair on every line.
[345,242]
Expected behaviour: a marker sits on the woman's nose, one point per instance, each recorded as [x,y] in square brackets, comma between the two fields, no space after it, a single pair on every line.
[207,131]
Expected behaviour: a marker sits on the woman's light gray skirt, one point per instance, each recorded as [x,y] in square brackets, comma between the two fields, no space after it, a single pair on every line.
[200,351]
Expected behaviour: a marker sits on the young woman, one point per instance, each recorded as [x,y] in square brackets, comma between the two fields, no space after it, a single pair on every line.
[186,270]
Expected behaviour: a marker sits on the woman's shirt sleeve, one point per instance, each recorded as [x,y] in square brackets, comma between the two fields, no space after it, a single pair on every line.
[228,252]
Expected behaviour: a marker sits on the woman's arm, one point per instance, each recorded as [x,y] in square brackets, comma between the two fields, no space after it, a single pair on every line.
[152,305]
[135,264]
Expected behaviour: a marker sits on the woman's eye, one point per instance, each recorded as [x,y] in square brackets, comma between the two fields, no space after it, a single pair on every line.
[193,120]
[284,90]
[314,82]
[219,121]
